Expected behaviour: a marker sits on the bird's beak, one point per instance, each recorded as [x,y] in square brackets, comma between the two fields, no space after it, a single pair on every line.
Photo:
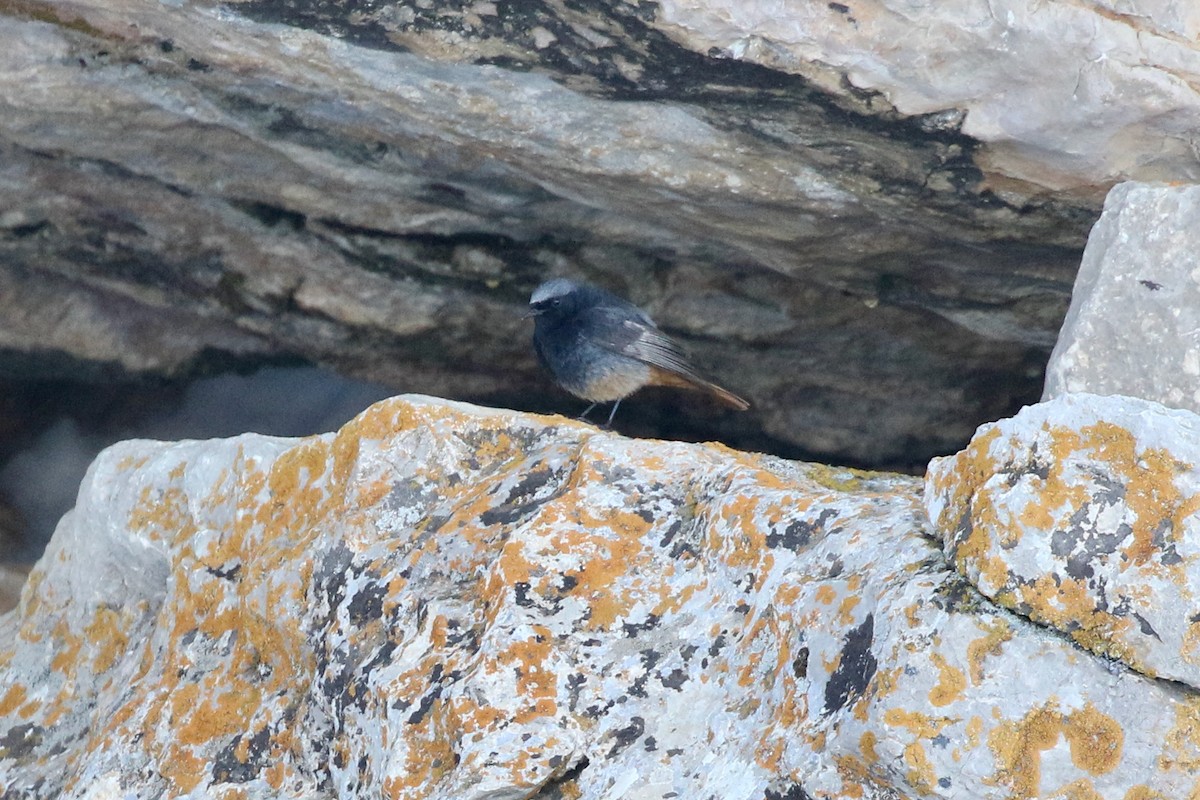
[532,312]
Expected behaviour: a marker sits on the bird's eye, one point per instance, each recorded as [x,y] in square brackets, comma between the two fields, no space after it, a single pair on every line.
[556,302]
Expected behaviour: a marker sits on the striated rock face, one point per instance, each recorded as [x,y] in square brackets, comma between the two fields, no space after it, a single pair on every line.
[1062,94]
[1135,313]
[376,189]
[442,601]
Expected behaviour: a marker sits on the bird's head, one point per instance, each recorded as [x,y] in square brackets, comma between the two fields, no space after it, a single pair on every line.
[554,299]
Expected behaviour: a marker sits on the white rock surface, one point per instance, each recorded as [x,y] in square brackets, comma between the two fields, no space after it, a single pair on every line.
[1134,323]
[1065,94]
[442,601]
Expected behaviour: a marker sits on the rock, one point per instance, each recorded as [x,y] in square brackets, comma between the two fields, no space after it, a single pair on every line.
[1135,313]
[1083,514]
[66,427]
[191,185]
[444,601]
[1036,83]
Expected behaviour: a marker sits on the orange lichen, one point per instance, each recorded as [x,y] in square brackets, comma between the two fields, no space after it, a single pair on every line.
[570,790]
[1079,790]
[1017,749]
[741,542]
[970,469]
[672,598]
[183,769]
[375,491]
[106,632]
[1058,498]
[918,725]
[1181,744]
[296,493]
[886,682]
[769,754]
[610,545]
[974,729]
[220,714]
[853,772]
[997,633]
[536,678]
[427,754]
[921,773]
[1150,490]
[66,646]
[275,774]
[912,613]
[12,699]
[1096,742]
[132,463]
[28,710]
[846,608]
[974,465]
[163,514]
[1144,793]
[1189,651]
[866,745]
[951,682]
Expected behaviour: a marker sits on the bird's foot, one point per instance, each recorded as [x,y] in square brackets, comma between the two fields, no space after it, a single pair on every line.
[607,426]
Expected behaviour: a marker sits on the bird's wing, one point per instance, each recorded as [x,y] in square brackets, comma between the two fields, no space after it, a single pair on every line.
[640,339]
[612,329]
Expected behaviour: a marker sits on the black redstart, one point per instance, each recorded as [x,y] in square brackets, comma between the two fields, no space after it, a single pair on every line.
[602,348]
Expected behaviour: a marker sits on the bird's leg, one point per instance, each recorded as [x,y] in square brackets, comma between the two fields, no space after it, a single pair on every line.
[612,414]
[586,411]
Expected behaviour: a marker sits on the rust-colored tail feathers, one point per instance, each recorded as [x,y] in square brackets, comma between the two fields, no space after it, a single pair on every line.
[725,396]
[666,377]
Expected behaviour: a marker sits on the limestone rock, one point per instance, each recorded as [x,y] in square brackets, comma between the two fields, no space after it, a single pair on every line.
[443,601]
[1134,320]
[1063,94]
[1083,513]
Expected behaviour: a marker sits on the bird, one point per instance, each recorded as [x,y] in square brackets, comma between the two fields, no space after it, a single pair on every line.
[602,348]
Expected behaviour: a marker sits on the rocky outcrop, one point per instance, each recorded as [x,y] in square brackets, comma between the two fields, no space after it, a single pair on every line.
[1133,322]
[191,185]
[444,601]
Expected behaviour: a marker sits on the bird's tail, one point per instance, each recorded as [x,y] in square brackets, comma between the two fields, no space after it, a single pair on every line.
[665,377]
[725,396]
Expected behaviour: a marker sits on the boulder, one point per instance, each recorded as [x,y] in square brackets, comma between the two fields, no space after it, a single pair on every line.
[1083,514]
[1134,321]
[446,601]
